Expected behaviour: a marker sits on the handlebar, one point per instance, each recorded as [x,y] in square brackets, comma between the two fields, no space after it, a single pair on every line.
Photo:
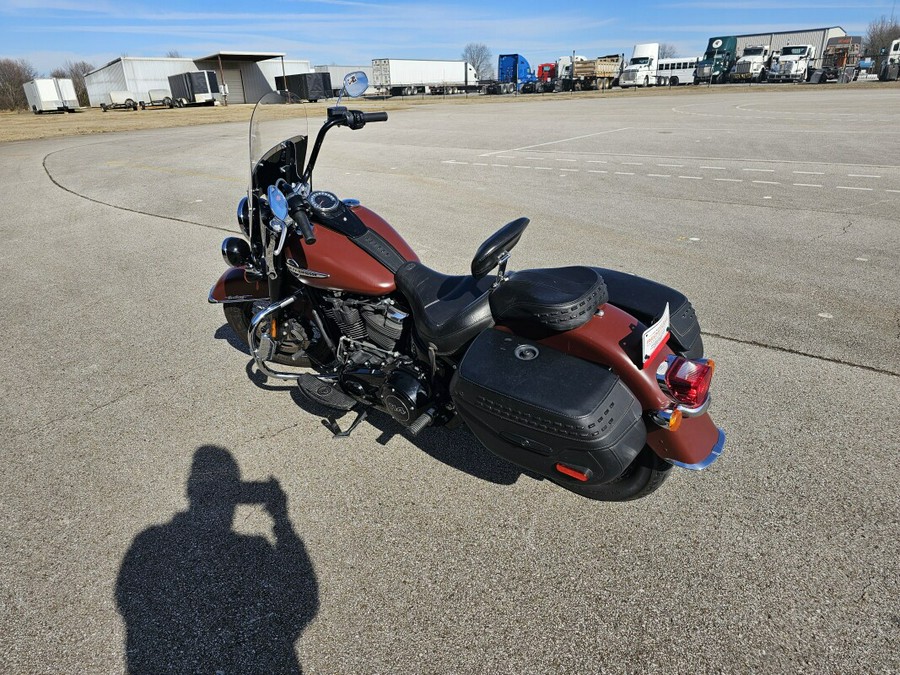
[295,208]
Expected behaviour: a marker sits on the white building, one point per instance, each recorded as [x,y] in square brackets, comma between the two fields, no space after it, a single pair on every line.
[248,76]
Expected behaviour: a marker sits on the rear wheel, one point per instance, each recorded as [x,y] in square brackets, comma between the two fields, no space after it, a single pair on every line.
[642,477]
[239,315]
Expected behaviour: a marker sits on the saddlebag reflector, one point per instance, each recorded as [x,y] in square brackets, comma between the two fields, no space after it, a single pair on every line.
[558,298]
[538,407]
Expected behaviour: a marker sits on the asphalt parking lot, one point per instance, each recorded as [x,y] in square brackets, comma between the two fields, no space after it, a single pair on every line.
[776,211]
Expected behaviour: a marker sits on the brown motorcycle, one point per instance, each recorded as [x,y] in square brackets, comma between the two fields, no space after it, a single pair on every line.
[592,378]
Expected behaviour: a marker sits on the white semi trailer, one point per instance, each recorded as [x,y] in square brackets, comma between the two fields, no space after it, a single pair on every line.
[51,94]
[405,77]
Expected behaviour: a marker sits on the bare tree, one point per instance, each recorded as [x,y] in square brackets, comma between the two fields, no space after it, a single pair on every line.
[173,54]
[667,50]
[13,74]
[76,71]
[879,35]
[481,59]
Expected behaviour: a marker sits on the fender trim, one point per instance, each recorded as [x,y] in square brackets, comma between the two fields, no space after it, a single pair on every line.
[233,286]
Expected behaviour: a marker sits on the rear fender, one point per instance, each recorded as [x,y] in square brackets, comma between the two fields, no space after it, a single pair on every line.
[235,286]
[613,338]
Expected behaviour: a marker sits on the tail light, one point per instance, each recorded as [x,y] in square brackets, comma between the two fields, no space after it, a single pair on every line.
[686,380]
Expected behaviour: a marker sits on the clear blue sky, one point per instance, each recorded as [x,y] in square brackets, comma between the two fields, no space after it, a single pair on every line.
[350,32]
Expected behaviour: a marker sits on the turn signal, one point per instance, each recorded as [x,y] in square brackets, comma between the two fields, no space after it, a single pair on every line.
[688,381]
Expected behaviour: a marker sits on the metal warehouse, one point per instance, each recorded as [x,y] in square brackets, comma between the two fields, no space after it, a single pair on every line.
[248,76]
[817,37]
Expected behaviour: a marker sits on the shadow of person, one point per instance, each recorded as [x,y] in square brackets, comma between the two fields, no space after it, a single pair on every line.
[198,597]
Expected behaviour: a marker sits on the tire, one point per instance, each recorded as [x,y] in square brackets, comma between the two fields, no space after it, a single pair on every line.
[673,81]
[646,81]
[642,477]
[763,76]
[103,107]
[696,81]
[239,315]
[168,102]
[129,103]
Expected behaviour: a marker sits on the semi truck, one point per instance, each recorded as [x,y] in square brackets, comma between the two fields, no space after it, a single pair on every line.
[890,66]
[796,63]
[717,61]
[51,94]
[590,74]
[753,66]
[406,77]
[514,74]
[641,68]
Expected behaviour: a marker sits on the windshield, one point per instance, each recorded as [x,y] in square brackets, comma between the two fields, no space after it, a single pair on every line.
[794,51]
[753,51]
[640,61]
[278,130]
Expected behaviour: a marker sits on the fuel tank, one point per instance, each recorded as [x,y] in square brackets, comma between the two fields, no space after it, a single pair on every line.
[336,262]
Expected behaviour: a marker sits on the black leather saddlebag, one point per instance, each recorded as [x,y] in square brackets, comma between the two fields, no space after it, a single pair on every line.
[645,300]
[538,407]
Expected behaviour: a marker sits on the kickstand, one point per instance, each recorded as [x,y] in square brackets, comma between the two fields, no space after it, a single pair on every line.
[331,424]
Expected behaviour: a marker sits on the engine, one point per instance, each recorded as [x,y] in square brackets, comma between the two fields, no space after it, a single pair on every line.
[371,369]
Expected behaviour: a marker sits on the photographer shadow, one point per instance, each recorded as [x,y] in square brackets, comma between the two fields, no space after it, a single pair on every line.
[197,596]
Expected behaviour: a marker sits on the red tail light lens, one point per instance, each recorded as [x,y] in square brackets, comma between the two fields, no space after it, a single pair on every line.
[688,381]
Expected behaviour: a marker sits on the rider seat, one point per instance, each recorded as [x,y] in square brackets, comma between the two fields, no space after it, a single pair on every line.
[448,311]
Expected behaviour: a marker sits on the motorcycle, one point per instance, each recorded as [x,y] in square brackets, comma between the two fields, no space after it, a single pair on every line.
[328,287]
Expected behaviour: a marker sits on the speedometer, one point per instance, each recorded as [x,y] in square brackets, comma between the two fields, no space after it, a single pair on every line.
[324,202]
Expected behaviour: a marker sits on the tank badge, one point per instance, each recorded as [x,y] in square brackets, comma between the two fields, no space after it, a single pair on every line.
[300,272]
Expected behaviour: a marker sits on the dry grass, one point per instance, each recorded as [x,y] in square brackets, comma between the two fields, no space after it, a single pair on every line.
[21,126]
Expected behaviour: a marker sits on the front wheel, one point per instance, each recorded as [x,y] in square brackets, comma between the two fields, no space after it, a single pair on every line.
[239,315]
[642,477]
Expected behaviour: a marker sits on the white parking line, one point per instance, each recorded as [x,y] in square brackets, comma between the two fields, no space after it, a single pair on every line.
[565,160]
[519,166]
[573,170]
[861,175]
[692,177]
[505,166]
[760,170]
[660,175]
[562,140]
[479,164]
[897,191]
[597,161]
[674,166]
[624,173]
[807,185]
[633,163]
[715,168]
[811,173]
[730,180]
[766,182]
[844,187]
[596,171]
[543,168]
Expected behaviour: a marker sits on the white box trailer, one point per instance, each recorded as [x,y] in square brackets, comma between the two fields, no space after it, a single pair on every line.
[405,77]
[51,94]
